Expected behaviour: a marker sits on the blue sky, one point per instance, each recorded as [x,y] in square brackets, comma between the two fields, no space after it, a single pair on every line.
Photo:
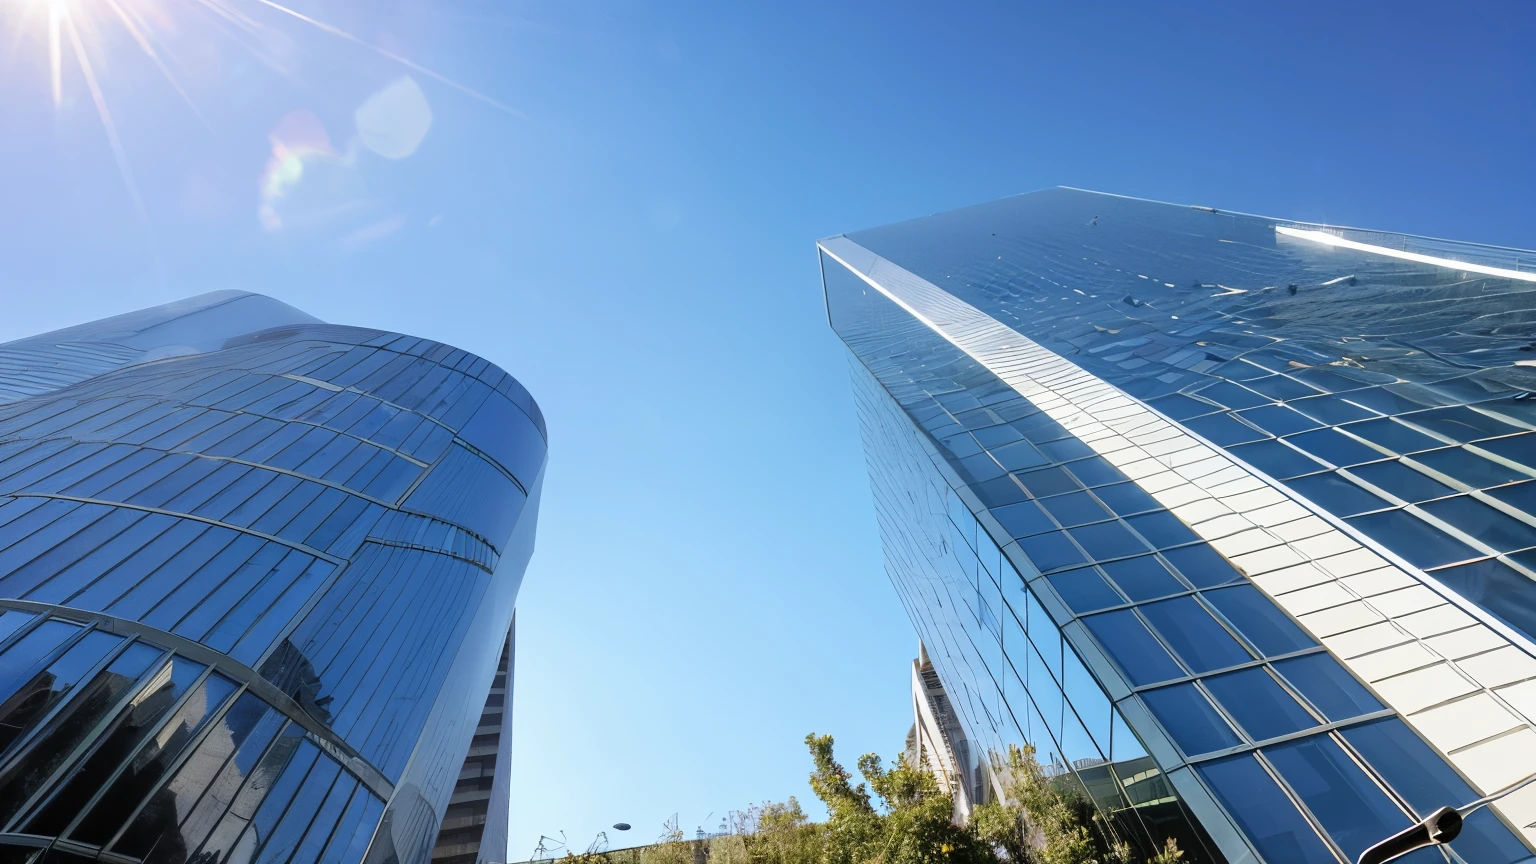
[622,214]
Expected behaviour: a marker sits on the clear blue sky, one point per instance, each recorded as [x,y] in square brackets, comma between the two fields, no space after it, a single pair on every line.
[635,243]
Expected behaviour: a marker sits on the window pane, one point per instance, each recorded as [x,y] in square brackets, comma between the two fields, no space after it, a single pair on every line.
[1023,519]
[134,722]
[1419,775]
[1126,499]
[38,696]
[1143,578]
[1422,544]
[1051,551]
[1335,447]
[1084,590]
[1263,811]
[156,826]
[1469,468]
[1276,459]
[1162,529]
[1394,436]
[1398,479]
[1258,619]
[1075,508]
[1127,642]
[1202,566]
[1337,495]
[1483,523]
[1108,540]
[27,655]
[1328,686]
[1199,641]
[1260,706]
[1352,809]
[1496,587]
[1188,716]
[149,764]
[68,730]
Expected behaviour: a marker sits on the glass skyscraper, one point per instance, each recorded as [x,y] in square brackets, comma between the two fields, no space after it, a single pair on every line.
[1233,518]
[257,574]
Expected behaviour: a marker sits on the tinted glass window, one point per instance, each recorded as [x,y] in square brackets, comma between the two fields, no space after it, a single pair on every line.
[1471,469]
[1202,566]
[35,698]
[1258,704]
[1084,590]
[1483,523]
[1394,436]
[1076,508]
[1189,718]
[1128,643]
[1423,778]
[1051,551]
[1257,618]
[1420,543]
[1337,495]
[1276,459]
[1023,519]
[1143,578]
[1352,809]
[1162,529]
[1399,480]
[1328,686]
[1126,498]
[1265,813]
[1496,587]
[69,728]
[1196,637]
[1108,540]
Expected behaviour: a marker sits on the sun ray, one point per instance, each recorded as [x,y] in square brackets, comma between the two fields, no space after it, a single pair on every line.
[140,37]
[91,84]
[409,64]
[55,76]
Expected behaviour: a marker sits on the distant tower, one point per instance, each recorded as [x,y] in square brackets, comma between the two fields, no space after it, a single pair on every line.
[474,829]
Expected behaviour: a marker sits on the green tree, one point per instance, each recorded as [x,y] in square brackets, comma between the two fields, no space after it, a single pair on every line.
[1042,821]
[912,826]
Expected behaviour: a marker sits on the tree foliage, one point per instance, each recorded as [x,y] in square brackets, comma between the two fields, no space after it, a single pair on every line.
[900,815]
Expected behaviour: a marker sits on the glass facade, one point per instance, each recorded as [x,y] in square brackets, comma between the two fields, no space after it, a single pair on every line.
[1223,514]
[256,576]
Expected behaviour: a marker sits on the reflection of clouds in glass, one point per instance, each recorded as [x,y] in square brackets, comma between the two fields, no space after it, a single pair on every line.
[393,121]
[298,138]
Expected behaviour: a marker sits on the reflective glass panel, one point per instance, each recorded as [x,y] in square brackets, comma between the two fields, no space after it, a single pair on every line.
[1258,704]
[1189,718]
[1195,636]
[1128,643]
[1328,686]
[1265,813]
[1354,811]
[1260,620]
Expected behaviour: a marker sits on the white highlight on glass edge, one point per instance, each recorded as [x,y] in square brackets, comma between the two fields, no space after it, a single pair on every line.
[1334,240]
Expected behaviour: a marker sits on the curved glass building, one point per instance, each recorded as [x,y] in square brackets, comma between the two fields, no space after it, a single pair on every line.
[1233,518]
[257,573]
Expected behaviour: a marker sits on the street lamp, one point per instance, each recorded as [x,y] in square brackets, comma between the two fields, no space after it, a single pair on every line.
[1436,829]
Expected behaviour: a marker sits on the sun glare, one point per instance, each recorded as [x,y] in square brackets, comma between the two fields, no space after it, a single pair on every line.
[73,36]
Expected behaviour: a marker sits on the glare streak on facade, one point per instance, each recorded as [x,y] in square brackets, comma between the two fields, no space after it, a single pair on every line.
[1237,527]
[257,573]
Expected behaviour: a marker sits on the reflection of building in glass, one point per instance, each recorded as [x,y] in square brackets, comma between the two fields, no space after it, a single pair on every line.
[1234,520]
[256,573]
[937,740]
